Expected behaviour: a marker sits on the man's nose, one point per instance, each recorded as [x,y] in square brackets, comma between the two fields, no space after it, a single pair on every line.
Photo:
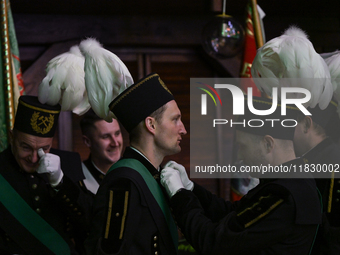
[114,142]
[34,157]
[183,130]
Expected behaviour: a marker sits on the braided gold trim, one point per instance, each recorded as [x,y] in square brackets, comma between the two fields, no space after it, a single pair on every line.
[334,103]
[136,86]
[39,109]
[163,84]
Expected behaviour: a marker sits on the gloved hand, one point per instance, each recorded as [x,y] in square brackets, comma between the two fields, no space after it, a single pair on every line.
[189,185]
[50,164]
[171,180]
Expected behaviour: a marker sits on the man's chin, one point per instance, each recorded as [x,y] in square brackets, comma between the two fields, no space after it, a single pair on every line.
[29,170]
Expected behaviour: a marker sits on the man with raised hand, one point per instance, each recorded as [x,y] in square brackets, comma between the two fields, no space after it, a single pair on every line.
[38,202]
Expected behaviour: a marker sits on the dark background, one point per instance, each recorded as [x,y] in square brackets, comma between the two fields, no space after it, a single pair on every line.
[155,36]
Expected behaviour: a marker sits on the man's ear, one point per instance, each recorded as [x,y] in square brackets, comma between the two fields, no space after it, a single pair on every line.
[150,124]
[307,124]
[268,142]
[87,141]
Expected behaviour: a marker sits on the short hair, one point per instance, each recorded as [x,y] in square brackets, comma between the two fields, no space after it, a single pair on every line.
[135,133]
[88,121]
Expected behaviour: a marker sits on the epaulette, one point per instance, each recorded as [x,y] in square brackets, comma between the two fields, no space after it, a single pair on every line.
[260,205]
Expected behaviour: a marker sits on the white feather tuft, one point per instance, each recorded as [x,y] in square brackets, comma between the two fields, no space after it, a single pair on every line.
[295,32]
[332,59]
[64,82]
[105,77]
[293,56]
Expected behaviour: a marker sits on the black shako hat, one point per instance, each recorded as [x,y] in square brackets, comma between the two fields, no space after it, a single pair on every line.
[35,118]
[139,100]
[276,125]
[323,117]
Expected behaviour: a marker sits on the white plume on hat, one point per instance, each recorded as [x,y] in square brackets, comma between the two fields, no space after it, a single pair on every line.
[292,55]
[105,77]
[64,82]
[332,59]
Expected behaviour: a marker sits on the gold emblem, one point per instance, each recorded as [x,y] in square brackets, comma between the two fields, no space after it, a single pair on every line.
[42,124]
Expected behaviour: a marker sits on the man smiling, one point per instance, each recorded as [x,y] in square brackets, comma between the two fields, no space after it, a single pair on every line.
[105,141]
[38,203]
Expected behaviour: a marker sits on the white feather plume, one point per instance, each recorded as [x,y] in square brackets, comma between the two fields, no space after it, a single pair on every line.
[332,59]
[64,82]
[292,55]
[105,77]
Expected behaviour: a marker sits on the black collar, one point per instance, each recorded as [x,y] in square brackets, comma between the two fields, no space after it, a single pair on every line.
[97,175]
[131,153]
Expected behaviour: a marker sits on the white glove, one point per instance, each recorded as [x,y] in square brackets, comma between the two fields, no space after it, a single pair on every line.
[50,164]
[171,181]
[189,185]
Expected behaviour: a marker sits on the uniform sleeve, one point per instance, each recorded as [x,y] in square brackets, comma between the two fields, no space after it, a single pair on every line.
[112,205]
[214,207]
[266,220]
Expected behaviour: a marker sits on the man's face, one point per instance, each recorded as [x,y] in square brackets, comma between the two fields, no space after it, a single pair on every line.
[169,130]
[25,149]
[250,150]
[106,141]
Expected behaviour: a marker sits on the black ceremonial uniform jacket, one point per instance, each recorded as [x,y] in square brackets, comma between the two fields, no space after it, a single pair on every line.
[143,230]
[59,209]
[278,216]
[327,153]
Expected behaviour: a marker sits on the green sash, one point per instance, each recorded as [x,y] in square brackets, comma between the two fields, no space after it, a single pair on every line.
[155,190]
[36,225]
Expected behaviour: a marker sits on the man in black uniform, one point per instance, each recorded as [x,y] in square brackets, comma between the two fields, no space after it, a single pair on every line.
[314,145]
[131,213]
[38,203]
[279,216]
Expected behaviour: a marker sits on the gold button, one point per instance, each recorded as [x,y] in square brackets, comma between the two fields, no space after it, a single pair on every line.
[155,238]
[34,186]
[37,198]
[117,214]
[79,213]
[67,200]
[75,209]
[155,245]
[38,210]
[156,252]
[70,205]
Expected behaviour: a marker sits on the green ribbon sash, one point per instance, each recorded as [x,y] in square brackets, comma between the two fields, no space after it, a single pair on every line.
[36,225]
[155,189]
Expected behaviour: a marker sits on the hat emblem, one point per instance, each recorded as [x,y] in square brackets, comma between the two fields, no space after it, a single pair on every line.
[42,124]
